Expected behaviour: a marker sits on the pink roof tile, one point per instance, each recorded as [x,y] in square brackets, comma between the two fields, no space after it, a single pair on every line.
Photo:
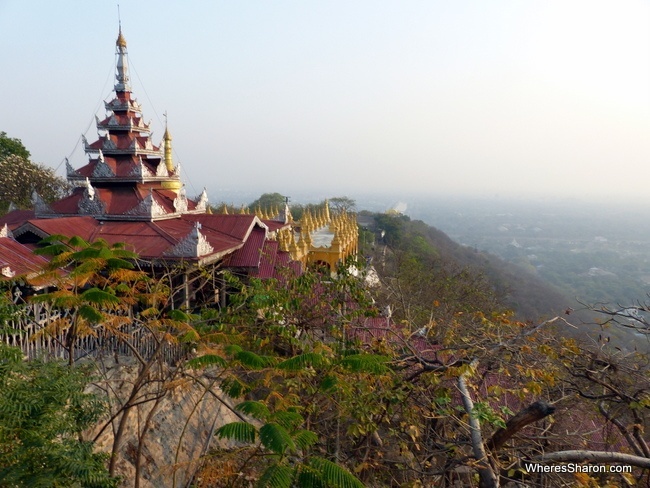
[19,258]
[16,218]
[249,255]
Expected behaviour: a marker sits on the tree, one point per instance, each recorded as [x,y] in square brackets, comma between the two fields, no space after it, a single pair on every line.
[267,201]
[343,204]
[99,285]
[19,177]
[43,411]
[12,146]
[269,346]
[101,294]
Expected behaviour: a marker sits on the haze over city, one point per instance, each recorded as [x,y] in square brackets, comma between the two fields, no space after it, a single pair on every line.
[500,98]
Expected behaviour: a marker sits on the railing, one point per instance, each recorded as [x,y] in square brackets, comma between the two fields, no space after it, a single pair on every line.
[27,332]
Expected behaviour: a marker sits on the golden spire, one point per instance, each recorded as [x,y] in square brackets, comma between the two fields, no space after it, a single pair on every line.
[283,238]
[336,242]
[121,41]
[327,210]
[172,183]
[307,238]
[167,138]
[293,247]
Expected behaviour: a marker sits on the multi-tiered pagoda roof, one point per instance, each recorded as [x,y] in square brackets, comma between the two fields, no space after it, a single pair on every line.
[130,191]
[128,176]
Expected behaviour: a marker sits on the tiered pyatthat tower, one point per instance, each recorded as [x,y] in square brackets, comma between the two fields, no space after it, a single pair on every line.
[127,177]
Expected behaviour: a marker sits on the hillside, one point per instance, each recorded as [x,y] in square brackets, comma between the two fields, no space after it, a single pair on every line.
[513,287]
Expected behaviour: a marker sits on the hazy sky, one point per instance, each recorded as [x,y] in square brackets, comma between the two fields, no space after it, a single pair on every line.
[472,97]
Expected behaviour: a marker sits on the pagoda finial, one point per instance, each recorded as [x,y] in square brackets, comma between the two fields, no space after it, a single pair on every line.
[122,75]
[167,143]
[121,42]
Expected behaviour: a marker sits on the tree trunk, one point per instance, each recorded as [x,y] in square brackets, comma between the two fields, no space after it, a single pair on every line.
[488,478]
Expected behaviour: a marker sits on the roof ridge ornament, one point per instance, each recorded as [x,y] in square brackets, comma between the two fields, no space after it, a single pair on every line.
[202,203]
[180,202]
[90,203]
[102,169]
[194,245]
[40,207]
[6,231]
[141,170]
[70,171]
[7,272]
[148,206]
[161,170]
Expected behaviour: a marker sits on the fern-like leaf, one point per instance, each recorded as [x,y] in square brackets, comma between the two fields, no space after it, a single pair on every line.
[233,349]
[288,420]
[304,439]
[100,297]
[254,409]
[91,314]
[276,476]
[238,431]
[117,263]
[207,360]
[233,387]
[51,250]
[309,477]
[181,316]
[276,438]
[303,361]
[366,363]
[78,242]
[334,475]
[252,360]
[328,383]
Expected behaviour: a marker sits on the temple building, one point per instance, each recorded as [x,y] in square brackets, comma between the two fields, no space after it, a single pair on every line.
[320,239]
[130,191]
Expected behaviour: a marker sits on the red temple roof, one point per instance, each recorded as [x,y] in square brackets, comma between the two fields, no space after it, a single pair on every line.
[18,260]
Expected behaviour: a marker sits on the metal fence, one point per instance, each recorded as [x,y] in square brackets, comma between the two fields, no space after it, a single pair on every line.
[27,330]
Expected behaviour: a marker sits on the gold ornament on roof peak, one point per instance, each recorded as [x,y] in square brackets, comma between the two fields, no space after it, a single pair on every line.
[121,41]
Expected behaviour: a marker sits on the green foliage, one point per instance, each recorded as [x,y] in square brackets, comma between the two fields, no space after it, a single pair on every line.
[98,287]
[12,146]
[19,177]
[365,363]
[276,476]
[268,201]
[253,361]
[343,204]
[393,226]
[43,410]
[207,360]
[302,361]
[281,435]
[276,438]
[254,409]
[238,431]
[332,474]
[319,395]
[423,284]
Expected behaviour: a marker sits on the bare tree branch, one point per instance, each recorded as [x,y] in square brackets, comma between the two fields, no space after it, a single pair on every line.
[527,416]
[579,456]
